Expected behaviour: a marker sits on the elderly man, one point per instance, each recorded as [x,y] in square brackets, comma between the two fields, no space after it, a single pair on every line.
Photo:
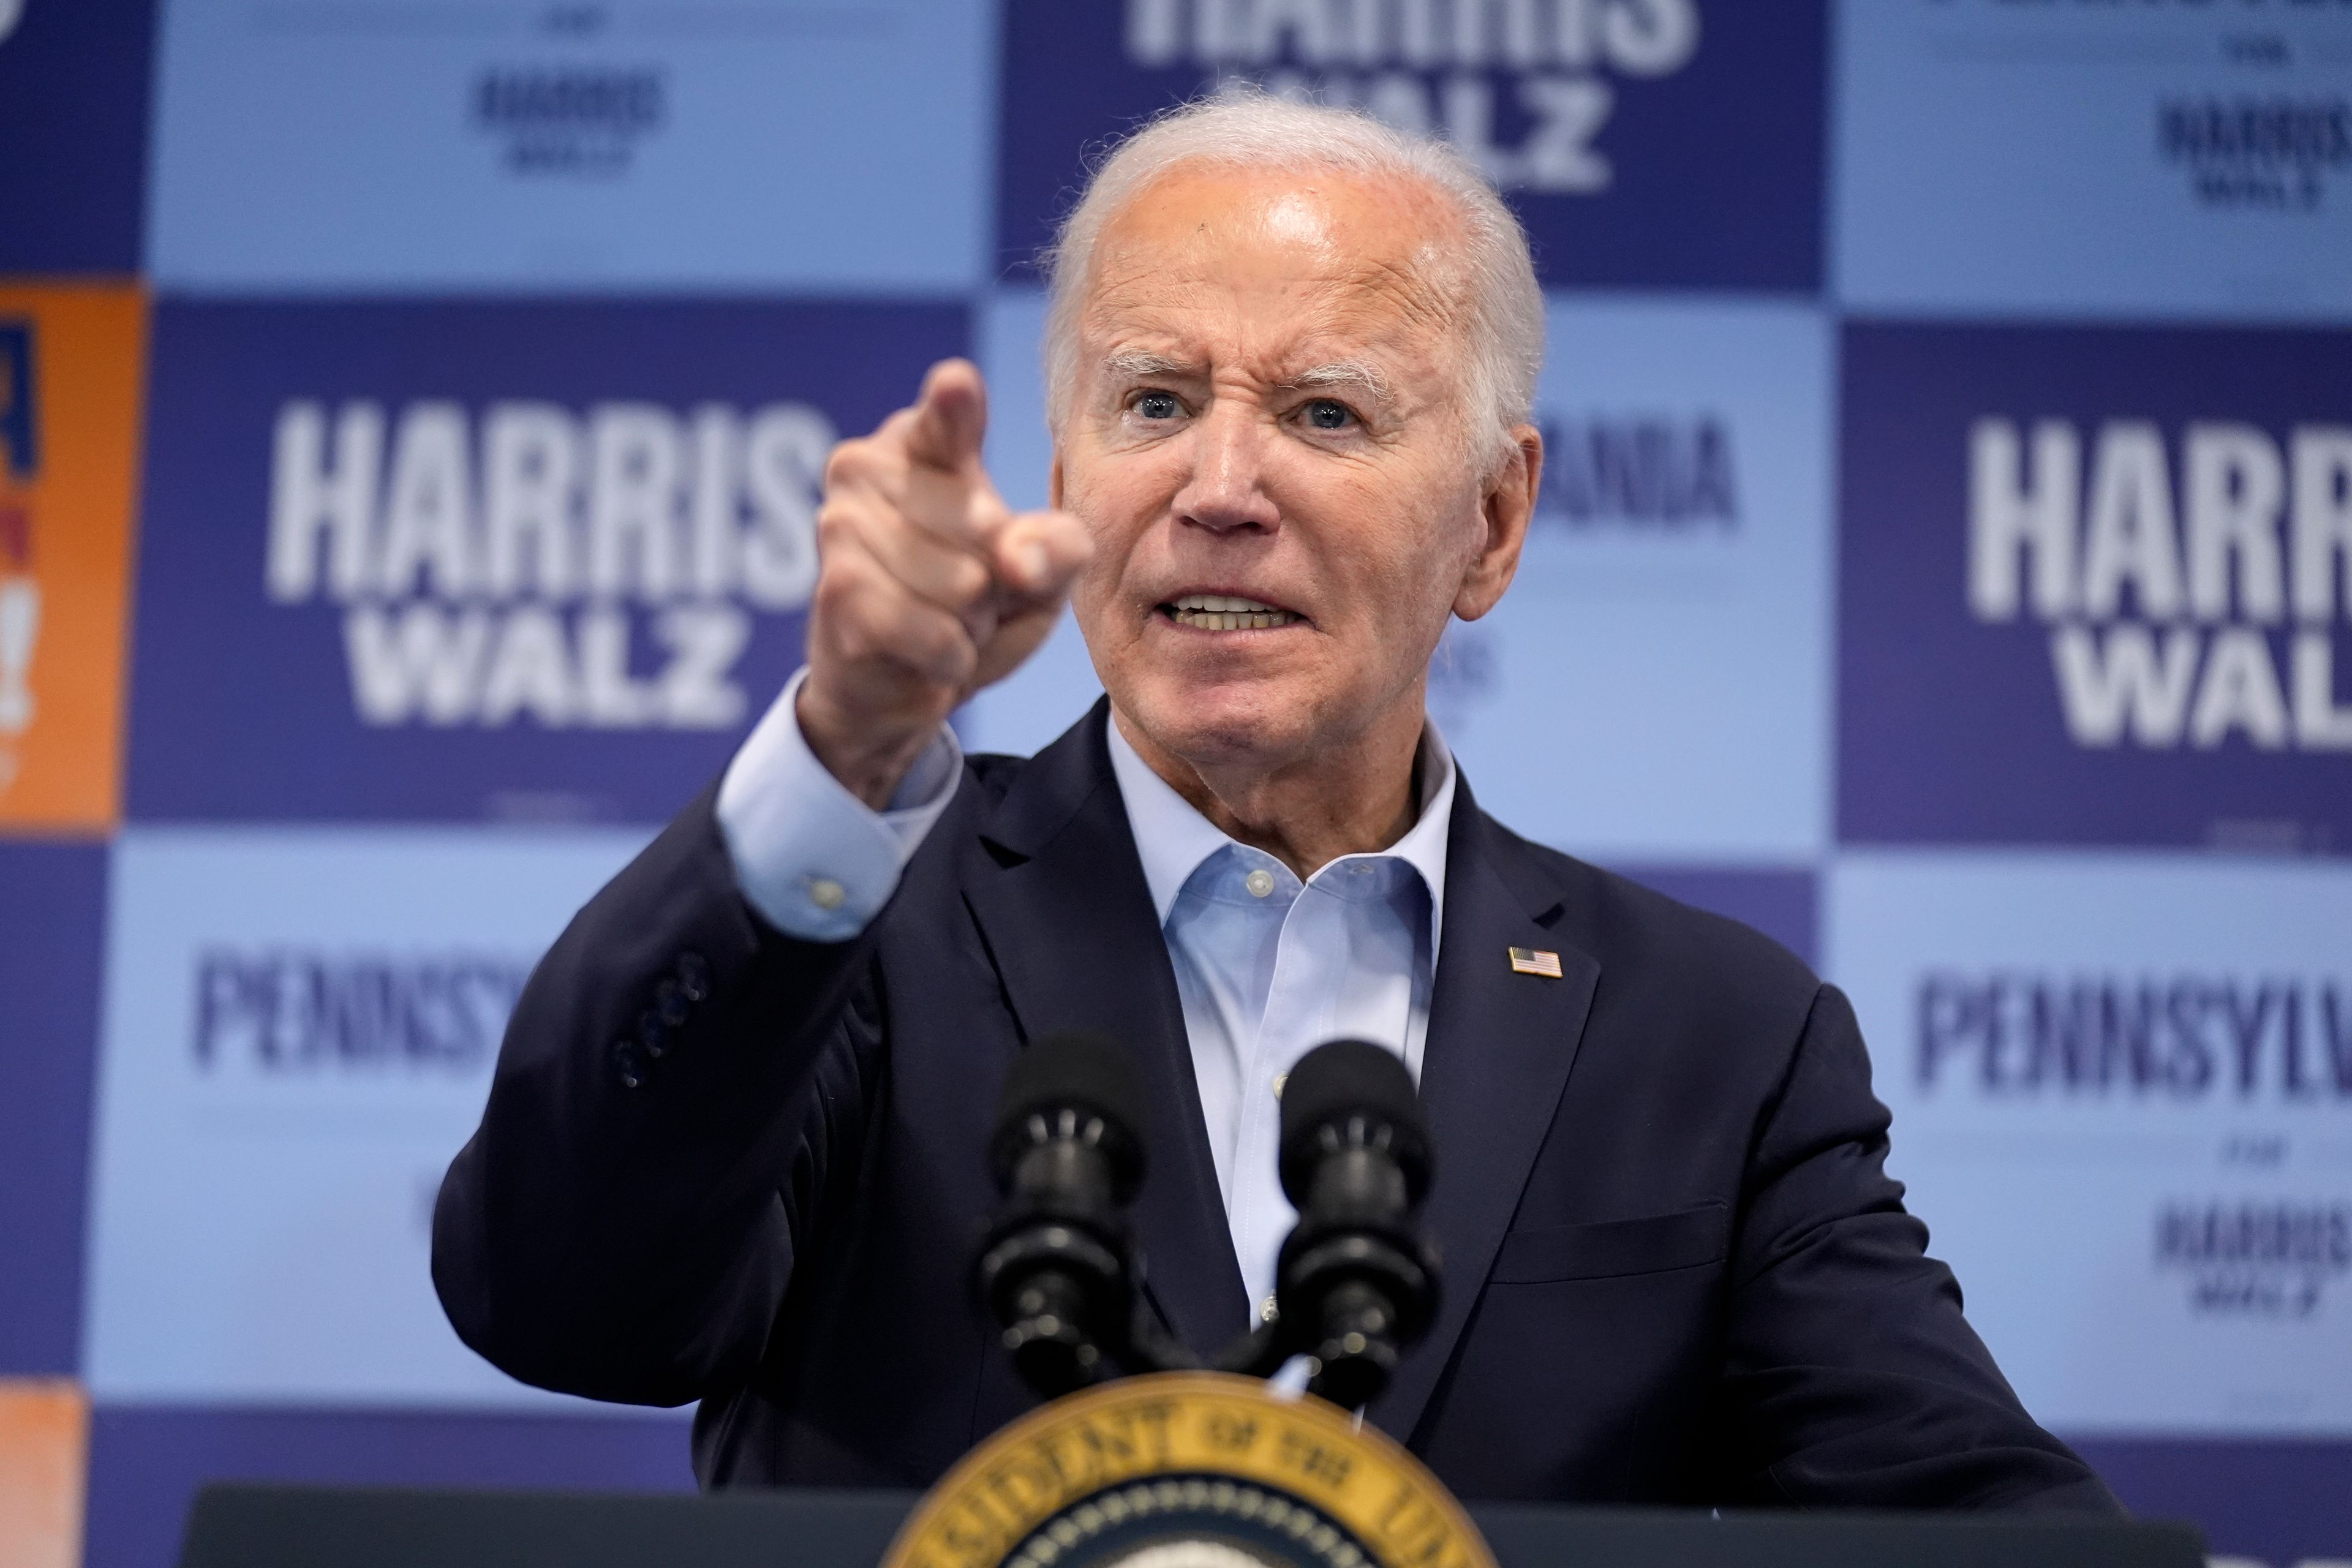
[734,1149]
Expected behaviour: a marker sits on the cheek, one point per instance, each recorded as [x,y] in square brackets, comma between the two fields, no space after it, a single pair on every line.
[1403,554]
[1115,500]
[1110,469]
[1099,597]
[1451,542]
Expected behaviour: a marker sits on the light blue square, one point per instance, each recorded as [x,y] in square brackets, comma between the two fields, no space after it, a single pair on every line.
[1046,695]
[2092,161]
[1653,688]
[264,1172]
[2146,1210]
[612,145]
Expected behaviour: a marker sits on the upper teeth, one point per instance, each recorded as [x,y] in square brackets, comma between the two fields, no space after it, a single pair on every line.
[1226,613]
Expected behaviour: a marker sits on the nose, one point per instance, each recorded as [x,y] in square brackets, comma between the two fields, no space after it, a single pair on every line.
[1226,490]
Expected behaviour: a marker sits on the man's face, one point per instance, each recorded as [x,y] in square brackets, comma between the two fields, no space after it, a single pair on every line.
[1267,408]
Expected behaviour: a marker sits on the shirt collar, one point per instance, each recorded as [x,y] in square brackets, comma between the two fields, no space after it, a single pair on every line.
[1173,838]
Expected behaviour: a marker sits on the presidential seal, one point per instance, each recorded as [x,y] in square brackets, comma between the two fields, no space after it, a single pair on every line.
[1189,1469]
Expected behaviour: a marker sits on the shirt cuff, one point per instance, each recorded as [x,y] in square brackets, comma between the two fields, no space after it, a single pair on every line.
[816,860]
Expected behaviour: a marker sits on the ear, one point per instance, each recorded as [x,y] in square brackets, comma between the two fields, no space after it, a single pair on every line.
[1505,507]
[1053,480]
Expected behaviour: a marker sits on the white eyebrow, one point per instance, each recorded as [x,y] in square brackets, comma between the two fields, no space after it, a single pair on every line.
[1365,378]
[1142,364]
[1139,365]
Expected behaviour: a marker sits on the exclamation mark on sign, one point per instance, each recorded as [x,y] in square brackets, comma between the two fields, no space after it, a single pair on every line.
[20,621]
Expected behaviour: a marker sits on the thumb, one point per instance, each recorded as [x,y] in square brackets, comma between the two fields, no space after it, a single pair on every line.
[950,418]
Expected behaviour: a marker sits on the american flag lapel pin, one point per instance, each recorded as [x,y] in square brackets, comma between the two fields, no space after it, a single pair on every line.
[1535,961]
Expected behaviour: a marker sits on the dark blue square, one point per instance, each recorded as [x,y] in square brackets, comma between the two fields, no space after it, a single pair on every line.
[52,939]
[1675,143]
[73,135]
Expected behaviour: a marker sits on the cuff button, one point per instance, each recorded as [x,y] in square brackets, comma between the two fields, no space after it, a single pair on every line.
[826,894]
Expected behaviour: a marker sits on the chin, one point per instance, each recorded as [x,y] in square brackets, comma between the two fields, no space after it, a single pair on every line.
[1210,722]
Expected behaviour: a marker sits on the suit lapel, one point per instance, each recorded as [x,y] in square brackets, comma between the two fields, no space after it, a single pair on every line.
[1499,1048]
[1057,889]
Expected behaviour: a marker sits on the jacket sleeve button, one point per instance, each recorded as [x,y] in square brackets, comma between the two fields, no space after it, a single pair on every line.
[628,1065]
[693,976]
[670,1001]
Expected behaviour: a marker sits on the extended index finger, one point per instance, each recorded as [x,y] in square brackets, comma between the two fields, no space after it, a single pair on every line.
[950,418]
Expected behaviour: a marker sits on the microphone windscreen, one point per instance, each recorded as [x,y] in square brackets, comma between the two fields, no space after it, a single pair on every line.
[1344,1080]
[1077,1070]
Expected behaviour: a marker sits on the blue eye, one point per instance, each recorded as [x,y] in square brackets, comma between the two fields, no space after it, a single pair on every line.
[1325,414]
[1157,405]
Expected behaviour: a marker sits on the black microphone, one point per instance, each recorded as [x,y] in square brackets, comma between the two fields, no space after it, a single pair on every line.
[1056,1268]
[1357,1281]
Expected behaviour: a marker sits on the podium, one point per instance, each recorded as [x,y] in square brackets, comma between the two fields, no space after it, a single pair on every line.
[236,1526]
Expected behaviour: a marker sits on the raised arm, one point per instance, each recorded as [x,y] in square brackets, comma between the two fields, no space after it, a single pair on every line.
[687,1067]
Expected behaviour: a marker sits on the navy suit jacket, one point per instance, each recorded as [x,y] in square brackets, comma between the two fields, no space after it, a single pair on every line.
[722,1165]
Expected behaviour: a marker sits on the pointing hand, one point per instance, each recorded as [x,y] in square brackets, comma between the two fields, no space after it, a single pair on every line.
[929,587]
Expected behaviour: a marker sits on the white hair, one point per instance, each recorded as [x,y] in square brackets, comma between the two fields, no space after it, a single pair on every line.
[1243,127]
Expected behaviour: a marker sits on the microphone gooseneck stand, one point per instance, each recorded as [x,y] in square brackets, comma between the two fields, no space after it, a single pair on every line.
[1355,1283]
[1058,1266]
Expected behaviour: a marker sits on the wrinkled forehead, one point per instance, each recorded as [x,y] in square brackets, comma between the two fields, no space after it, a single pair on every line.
[1296,255]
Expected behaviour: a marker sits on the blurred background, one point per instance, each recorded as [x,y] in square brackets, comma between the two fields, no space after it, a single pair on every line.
[410,414]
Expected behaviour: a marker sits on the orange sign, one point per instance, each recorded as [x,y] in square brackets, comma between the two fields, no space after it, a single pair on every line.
[72,374]
[44,1448]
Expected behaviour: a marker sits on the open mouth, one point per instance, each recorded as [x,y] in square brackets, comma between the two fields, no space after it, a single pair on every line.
[1226,612]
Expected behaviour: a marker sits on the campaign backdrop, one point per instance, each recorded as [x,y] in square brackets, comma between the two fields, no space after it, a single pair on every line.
[2121,1085]
[43,1432]
[74,111]
[2096,586]
[2093,161]
[411,424]
[51,967]
[310,146]
[299,1028]
[1645,143]
[72,358]
[424,560]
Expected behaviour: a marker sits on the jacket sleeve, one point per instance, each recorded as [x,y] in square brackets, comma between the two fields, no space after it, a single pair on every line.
[1850,1375]
[676,1083]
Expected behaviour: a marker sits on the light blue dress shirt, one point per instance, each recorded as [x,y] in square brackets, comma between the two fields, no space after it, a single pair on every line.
[1267,968]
